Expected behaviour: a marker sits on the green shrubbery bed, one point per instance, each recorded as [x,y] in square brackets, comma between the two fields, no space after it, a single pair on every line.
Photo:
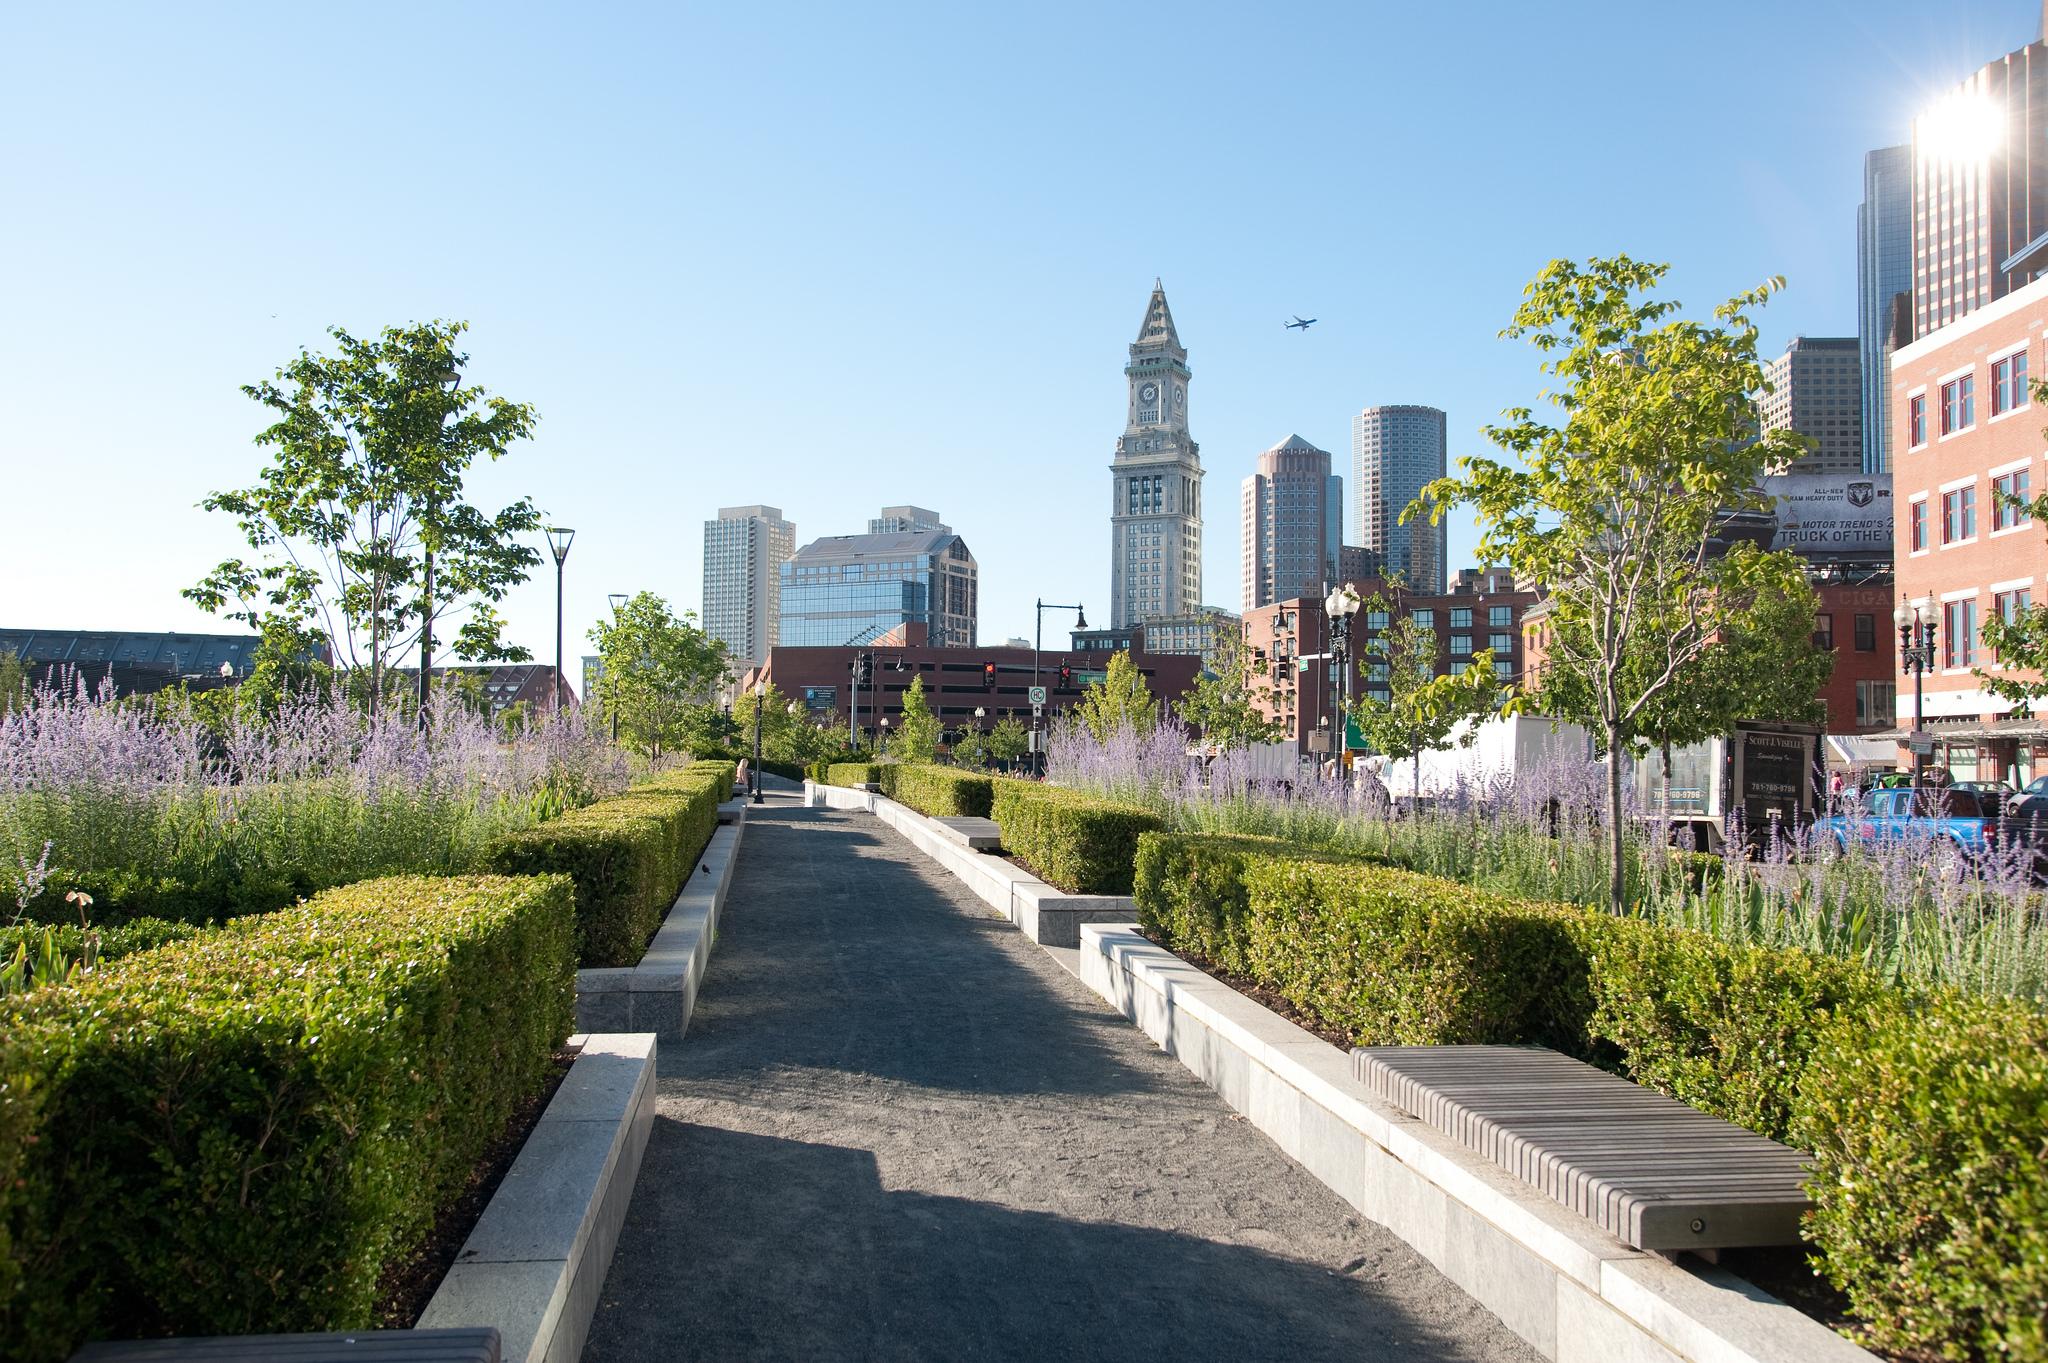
[1082,844]
[853,774]
[1927,1112]
[237,1132]
[628,856]
[137,934]
[943,792]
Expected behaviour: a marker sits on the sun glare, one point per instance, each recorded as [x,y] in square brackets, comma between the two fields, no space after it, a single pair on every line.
[1962,127]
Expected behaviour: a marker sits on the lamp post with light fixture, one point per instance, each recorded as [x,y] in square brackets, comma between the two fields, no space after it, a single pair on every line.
[448,380]
[1916,655]
[1037,645]
[618,604]
[760,704]
[1339,607]
[559,540]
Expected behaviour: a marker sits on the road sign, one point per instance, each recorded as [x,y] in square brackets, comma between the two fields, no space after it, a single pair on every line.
[1038,712]
[1037,696]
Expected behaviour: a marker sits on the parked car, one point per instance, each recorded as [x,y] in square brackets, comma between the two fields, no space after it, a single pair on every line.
[1964,824]
[2031,802]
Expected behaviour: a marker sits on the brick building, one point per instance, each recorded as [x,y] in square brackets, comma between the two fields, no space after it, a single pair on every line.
[1965,429]
[956,680]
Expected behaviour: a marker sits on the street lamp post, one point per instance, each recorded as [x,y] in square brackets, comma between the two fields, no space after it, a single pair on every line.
[559,540]
[760,704]
[885,737]
[449,380]
[1916,655]
[1037,647]
[1339,606]
[618,603]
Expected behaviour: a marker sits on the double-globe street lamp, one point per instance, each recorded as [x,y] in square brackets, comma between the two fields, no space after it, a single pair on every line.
[760,704]
[559,540]
[1916,655]
[1339,607]
[618,603]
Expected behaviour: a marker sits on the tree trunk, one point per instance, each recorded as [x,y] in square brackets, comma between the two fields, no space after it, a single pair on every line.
[1617,880]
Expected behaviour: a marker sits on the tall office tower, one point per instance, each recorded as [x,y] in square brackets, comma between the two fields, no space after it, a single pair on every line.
[1155,545]
[744,550]
[1884,270]
[905,520]
[863,589]
[1293,524]
[1980,189]
[1395,453]
[1817,390]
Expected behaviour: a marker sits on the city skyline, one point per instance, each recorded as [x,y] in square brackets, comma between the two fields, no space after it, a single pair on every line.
[683,358]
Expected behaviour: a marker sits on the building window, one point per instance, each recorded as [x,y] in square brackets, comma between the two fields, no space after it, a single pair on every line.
[2010,606]
[1866,634]
[1424,618]
[2009,383]
[1500,617]
[1461,645]
[2007,491]
[1461,617]
[1501,643]
[1504,669]
[1824,631]
[1375,620]
[1959,404]
[1916,521]
[1959,631]
[1876,703]
[1958,515]
[1916,421]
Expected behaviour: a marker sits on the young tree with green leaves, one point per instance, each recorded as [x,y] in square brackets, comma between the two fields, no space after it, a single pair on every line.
[1617,509]
[1121,698]
[1009,739]
[370,448]
[1422,710]
[777,721]
[1226,701]
[659,670]
[917,738]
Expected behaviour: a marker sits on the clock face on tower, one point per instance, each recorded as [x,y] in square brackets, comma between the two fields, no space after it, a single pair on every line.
[1180,396]
[1149,393]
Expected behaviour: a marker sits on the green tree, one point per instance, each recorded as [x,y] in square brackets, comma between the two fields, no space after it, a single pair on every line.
[917,740]
[1226,701]
[1119,699]
[370,448]
[1617,510]
[1009,739]
[1422,710]
[2018,638]
[778,722]
[658,670]
[13,683]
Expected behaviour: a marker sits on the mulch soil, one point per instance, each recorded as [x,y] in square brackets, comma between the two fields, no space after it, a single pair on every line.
[409,1283]
[1782,1271]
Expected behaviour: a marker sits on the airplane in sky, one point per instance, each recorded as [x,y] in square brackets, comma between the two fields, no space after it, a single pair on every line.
[1303,323]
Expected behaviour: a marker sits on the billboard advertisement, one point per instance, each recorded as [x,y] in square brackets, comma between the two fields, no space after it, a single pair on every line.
[820,697]
[1832,515]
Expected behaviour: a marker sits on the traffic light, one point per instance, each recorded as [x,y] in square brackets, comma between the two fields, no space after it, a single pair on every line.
[863,669]
[988,676]
[1066,677]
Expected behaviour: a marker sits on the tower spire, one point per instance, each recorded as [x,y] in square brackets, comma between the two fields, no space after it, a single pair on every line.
[1157,327]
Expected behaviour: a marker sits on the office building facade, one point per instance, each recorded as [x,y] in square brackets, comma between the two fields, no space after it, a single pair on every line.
[1155,554]
[1293,523]
[1884,271]
[1816,389]
[848,590]
[905,520]
[1396,451]
[744,550]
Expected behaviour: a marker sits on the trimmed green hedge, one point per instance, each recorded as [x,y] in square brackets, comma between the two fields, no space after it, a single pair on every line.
[628,856]
[1927,1113]
[124,939]
[853,773]
[1079,843]
[943,792]
[236,1133]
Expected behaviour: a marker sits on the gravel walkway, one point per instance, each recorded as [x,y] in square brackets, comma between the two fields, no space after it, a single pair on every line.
[899,1130]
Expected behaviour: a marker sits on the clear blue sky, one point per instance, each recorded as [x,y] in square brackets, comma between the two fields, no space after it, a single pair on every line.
[833,257]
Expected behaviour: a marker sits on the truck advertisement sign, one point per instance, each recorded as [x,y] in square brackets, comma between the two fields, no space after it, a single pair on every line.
[1832,515]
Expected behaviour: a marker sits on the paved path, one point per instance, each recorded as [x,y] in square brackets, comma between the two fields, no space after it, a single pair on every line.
[899,1130]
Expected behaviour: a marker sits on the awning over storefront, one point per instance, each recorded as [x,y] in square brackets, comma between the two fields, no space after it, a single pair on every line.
[1862,750]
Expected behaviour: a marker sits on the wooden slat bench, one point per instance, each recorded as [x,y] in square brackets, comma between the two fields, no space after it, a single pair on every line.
[478,1344]
[1649,1170]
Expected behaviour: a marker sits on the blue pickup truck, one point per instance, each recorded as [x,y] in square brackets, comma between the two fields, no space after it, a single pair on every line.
[1961,827]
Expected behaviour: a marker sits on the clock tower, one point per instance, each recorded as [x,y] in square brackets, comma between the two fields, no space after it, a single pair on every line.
[1155,563]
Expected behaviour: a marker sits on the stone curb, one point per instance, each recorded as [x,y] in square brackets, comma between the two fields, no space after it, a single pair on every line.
[1047,915]
[536,1261]
[659,994]
[1557,1280]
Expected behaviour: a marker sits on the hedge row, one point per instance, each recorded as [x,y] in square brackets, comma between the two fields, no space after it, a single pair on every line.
[628,856]
[942,792]
[236,1133]
[852,773]
[1077,842]
[1927,1112]
[123,939]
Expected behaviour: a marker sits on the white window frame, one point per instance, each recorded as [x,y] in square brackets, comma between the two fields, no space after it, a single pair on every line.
[1907,408]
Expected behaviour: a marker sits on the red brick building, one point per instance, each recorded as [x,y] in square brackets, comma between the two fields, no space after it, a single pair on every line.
[1966,428]
[957,681]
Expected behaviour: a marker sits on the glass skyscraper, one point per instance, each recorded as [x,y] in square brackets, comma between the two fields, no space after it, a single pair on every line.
[863,589]
[1395,453]
[1884,270]
[744,550]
